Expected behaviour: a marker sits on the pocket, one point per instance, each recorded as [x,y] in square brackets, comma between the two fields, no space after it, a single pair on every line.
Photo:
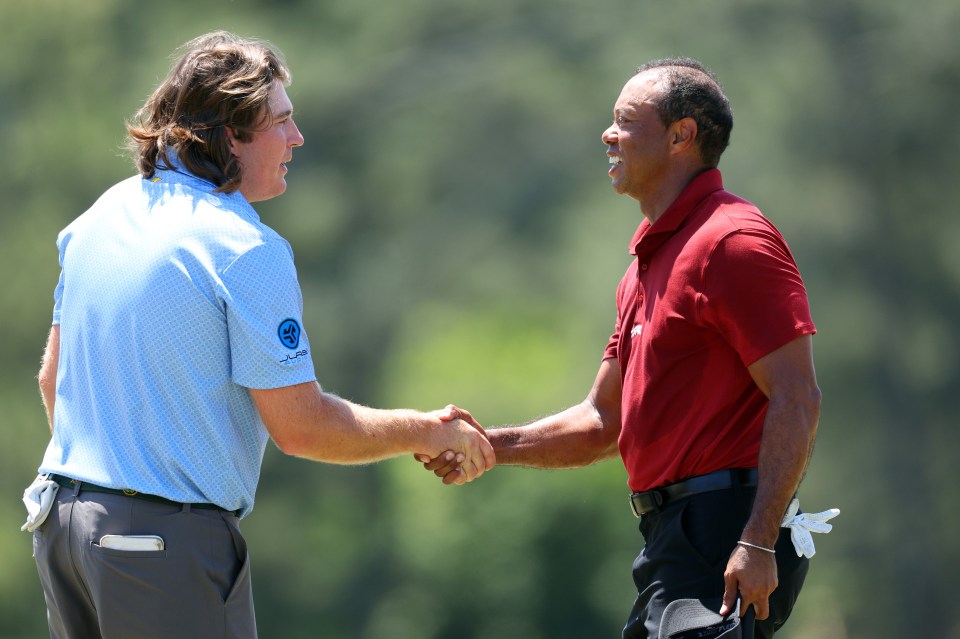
[239,618]
[711,524]
[700,544]
[241,591]
[37,541]
[127,554]
[241,581]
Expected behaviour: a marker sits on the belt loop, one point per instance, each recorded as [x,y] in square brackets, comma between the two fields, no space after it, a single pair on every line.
[185,508]
[76,488]
[739,480]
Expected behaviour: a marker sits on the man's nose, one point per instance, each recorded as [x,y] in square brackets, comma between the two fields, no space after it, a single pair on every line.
[296,138]
[609,136]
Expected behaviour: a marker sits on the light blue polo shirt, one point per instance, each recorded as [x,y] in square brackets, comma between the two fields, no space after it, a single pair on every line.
[173,300]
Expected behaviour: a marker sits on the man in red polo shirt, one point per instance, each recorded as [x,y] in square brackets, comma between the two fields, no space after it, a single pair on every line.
[707,386]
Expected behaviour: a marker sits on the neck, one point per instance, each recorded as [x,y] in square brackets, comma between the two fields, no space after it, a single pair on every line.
[654,204]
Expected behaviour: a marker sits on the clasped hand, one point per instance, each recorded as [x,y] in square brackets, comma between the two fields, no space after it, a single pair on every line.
[468,458]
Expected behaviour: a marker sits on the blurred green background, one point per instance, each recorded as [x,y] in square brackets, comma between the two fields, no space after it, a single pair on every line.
[457,241]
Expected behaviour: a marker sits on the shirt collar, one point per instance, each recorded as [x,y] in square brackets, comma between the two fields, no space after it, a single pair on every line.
[699,188]
[173,169]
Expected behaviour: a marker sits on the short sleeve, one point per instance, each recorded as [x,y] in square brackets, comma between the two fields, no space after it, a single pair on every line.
[269,347]
[62,240]
[613,344]
[58,300]
[754,295]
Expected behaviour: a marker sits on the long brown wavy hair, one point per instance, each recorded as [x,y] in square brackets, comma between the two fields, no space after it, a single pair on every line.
[219,80]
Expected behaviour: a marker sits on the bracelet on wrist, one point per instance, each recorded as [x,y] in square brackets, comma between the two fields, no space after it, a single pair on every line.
[764,549]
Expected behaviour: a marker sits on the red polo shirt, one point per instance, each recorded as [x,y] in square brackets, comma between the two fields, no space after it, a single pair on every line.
[713,289]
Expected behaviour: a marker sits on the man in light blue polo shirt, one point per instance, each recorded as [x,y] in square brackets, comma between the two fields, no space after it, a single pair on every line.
[177,350]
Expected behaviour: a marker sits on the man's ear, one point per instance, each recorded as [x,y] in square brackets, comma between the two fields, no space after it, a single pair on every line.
[683,135]
[231,139]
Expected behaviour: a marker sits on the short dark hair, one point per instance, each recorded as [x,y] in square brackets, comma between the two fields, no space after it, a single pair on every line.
[220,80]
[693,91]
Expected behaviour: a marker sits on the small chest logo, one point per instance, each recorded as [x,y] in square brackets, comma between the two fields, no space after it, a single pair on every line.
[289,333]
[637,329]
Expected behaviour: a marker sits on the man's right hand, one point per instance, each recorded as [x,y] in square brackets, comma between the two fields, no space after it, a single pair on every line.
[459,465]
[445,466]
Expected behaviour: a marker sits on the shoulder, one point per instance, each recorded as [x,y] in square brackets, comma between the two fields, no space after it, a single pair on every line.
[263,253]
[231,222]
[725,212]
[115,195]
[736,226]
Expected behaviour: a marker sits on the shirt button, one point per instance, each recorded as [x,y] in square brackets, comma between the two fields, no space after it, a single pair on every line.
[643,267]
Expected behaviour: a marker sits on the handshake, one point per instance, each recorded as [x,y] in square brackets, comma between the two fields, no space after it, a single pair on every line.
[460,451]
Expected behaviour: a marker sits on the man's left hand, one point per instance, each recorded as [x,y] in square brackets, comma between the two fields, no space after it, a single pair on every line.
[752,574]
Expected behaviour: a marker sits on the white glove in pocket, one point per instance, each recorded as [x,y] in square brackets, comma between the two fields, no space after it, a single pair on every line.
[805,523]
[38,498]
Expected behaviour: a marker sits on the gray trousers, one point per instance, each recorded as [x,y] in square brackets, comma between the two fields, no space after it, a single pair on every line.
[197,586]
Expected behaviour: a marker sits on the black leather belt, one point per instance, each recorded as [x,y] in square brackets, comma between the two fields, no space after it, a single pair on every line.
[656,499]
[66,482]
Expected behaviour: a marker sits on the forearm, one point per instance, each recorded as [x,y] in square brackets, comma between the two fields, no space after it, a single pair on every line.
[581,435]
[324,427]
[575,437]
[788,435]
[48,394]
[47,377]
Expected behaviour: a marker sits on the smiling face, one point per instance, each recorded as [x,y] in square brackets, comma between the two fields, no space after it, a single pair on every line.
[263,159]
[638,143]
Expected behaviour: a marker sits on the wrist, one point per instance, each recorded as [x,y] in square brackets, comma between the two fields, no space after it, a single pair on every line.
[427,430]
[507,445]
[750,546]
[763,532]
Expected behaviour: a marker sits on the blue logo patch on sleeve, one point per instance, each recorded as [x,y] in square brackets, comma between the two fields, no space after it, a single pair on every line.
[289,333]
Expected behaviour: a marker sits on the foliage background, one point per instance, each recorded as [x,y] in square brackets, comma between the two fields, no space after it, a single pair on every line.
[457,241]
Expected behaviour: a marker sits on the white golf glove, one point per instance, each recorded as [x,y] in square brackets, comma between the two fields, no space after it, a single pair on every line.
[38,498]
[805,523]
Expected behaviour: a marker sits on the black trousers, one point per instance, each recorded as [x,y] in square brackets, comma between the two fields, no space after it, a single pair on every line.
[687,547]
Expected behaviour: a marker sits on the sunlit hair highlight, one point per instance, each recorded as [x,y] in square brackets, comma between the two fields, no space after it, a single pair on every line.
[218,80]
